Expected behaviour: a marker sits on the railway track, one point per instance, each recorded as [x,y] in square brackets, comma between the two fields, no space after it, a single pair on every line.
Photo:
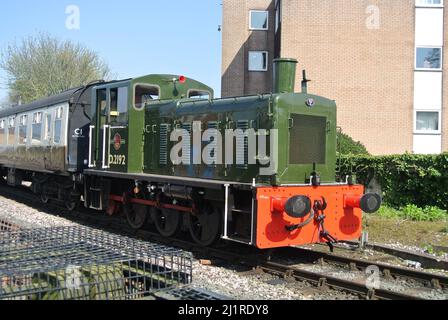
[269,261]
[427,261]
[388,270]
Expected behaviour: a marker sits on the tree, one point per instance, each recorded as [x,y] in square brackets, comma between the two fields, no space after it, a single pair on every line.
[42,65]
[350,146]
[3,103]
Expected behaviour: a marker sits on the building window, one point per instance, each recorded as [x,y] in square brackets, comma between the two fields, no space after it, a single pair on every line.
[258,20]
[429,3]
[427,122]
[258,60]
[429,58]
[23,125]
[37,128]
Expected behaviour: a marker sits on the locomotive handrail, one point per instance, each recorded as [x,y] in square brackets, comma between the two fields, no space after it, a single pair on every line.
[105,141]
[91,164]
[226,210]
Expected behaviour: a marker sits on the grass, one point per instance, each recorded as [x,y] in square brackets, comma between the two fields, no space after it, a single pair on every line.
[414,213]
[413,226]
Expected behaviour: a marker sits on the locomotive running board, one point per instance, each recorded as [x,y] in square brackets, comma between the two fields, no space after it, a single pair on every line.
[185,181]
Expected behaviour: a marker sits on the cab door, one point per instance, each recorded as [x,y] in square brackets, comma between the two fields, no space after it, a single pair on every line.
[99,131]
[111,129]
[118,129]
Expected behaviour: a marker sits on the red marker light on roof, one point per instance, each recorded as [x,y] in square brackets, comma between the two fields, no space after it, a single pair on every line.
[182,79]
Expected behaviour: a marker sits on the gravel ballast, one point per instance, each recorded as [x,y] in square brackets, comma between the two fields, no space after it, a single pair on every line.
[223,278]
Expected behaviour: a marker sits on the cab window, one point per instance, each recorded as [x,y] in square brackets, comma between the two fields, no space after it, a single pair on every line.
[102,101]
[199,94]
[145,93]
[119,105]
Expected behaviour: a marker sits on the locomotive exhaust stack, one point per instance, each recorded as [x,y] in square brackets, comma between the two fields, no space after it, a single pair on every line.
[284,79]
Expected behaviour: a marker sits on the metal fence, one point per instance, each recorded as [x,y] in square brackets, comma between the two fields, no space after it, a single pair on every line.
[190,294]
[80,263]
[7,226]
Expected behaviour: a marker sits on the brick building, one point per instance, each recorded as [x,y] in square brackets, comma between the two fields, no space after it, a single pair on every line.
[381,60]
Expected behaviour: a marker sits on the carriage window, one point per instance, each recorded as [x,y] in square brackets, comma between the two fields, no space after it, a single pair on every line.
[37,127]
[23,125]
[198,94]
[2,132]
[48,127]
[12,131]
[119,105]
[144,94]
[58,126]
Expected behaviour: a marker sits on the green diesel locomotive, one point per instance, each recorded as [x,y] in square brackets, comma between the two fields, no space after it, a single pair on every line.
[258,170]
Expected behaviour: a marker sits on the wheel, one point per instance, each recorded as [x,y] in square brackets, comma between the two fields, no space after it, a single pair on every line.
[71,204]
[167,222]
[44,198]
[136,215]
[71,199]
[205,227]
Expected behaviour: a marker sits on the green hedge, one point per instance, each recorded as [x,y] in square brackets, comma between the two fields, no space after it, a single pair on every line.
[421,180]
[350,146]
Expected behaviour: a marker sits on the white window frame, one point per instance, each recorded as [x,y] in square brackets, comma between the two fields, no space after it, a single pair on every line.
[58,116]
[3,125]
[277,19]
[258,70]
[426,5]
[23,122]
[11,125]
[48,126]
[148,85]
[37,119]
[425,132]
[428,69]
[250,20]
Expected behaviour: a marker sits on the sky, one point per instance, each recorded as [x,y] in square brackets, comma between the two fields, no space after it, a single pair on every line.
[134,37]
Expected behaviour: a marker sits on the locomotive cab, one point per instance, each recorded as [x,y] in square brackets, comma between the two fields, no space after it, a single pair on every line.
[118,114]
[118,119]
